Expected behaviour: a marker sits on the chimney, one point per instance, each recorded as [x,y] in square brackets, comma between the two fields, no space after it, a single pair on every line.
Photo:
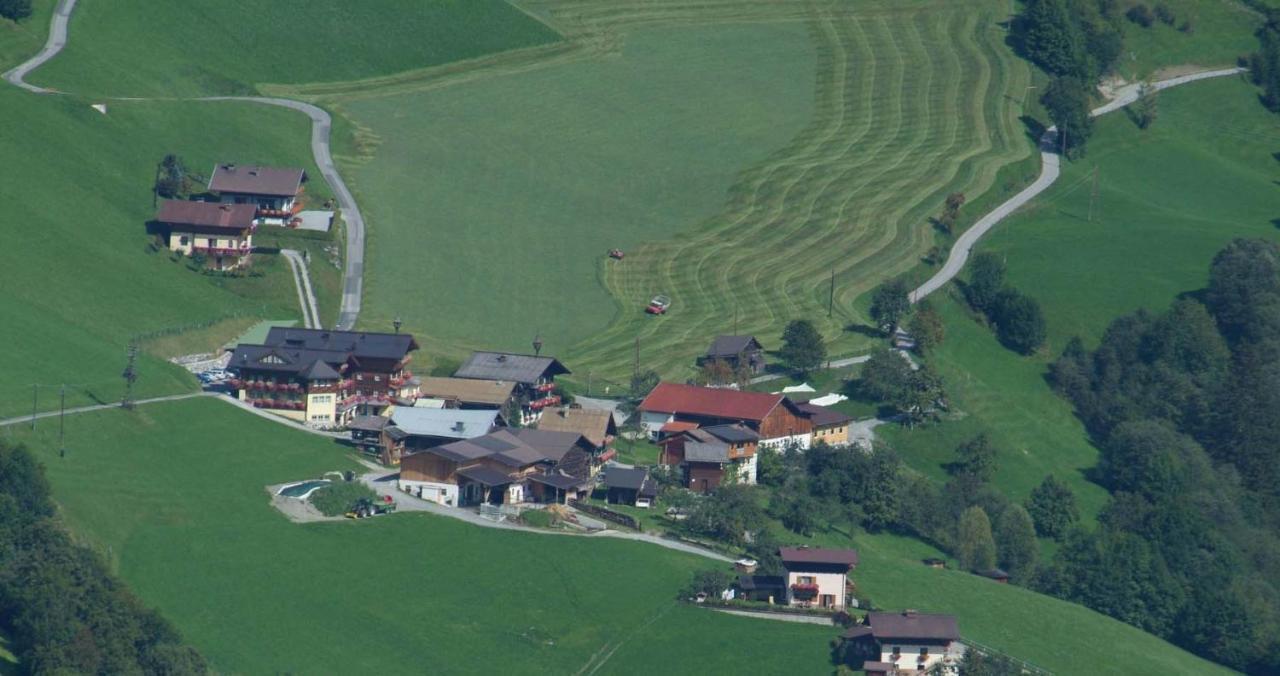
[459,426]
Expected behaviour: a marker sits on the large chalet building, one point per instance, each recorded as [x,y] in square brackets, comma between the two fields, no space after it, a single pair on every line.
[222,233]
[508,466]
[705,456]
[272,191]
[774,417]
[534,378]
[322,377]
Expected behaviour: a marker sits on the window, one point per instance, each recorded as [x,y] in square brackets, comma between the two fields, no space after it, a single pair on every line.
[184,240]
[924,652]
[360,376]
[897,650]
[377,379]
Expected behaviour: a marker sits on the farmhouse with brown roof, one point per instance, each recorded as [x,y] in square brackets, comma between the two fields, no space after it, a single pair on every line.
[829,425]
[223,233]
[818,577]
[705,455]
[907,643]
[774,417]
[273,191]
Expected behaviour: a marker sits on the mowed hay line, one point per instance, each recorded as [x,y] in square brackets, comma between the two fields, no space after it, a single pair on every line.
[910,107]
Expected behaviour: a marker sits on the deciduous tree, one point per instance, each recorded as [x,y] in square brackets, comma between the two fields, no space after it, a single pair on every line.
[889,304]
[803,348]
[1052,506]
[1016,541]
[975,546]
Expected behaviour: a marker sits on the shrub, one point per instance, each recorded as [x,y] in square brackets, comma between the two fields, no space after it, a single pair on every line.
[1164,14]
[337,498]
[1141,15]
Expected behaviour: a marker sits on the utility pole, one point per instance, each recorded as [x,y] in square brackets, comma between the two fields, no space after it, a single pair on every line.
[35,401]
[130,375]
[62,420]
[635,369]
[735,321]
[831,298]
[1093,194]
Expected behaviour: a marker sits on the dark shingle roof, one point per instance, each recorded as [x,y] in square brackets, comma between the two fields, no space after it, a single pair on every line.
[320,371]
[255,180]
[626,478]
[558,480]
[734,434]
[484,475]
[732,346]
[282,360]
[701,451]
[207,214]
[368,423]
[909,624]
[357,343]
[512,447]
[818,555]
[521,368]
[823,416]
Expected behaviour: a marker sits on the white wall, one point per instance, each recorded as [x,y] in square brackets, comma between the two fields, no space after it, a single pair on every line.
[431,491]
[747,469]
[778,443]
[828,583]
[909,661]
[652,422]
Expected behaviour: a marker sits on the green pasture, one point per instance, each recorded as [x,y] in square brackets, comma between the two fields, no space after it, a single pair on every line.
[1221,30]
[80,278]
[738,154]
[996,392]
[178,506]
[19,41]
[1167,200]
[212,47]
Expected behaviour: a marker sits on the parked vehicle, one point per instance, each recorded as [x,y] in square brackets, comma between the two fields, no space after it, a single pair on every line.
[616,254]
[659,305]
[365,508]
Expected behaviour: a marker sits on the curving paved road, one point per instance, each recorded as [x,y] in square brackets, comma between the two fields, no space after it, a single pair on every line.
[1049,171]
[53,44]
[321,126]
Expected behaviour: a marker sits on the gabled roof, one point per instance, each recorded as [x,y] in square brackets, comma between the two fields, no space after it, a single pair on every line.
[677,426]
[368,423]
[207,214]
[818,555]
[443,423]
[910,624]
[482,392]
[823,416]
[554,445]
[361,344]
[255,180]
[559,480]
[711,402]
[625,478]
[701,451]
[512,447]
[521,368]
[485,475]
[319,370]
[733,434]
[594,425]
[282,359]
[732,346]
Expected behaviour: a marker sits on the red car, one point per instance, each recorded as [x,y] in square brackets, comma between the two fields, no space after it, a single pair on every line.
[659,305]
[616,254]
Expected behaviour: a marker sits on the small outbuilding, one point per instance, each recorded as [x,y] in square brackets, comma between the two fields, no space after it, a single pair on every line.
[630,486]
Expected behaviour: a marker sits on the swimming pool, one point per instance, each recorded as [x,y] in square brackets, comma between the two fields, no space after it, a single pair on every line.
[302,489]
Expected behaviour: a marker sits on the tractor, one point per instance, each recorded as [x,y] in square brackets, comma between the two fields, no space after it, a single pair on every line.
[366,507]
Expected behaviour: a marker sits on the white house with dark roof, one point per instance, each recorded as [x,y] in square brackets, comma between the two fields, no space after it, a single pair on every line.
[274,191]
[507,466]
[533,375]
[907,643]
[818,577]
[223,233]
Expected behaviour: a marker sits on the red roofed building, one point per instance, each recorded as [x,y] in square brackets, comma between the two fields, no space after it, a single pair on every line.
[221,232]
[773,416]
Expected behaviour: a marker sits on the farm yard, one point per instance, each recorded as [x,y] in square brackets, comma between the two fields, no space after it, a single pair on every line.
[165,513]
[622,145]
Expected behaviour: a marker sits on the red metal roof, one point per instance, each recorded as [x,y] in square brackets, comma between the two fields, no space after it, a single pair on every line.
[677,426]
[207,214]
[710,401]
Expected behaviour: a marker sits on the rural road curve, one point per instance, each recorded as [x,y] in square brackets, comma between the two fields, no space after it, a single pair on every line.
[53,44]
[100,407]
[1049,171]
[321,128]
[302,280]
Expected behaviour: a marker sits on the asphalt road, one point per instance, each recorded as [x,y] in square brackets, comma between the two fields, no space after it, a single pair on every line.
[1049,172]
[52,45]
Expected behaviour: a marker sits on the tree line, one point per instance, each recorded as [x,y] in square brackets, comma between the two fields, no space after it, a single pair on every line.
[15,10]
[65,612]
[1185,406]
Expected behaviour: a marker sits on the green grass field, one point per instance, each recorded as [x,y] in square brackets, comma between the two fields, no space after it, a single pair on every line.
[697,137]
[189,527]
[208,47]
[1168,199]
[20,40]
[1221,31]
[81,281]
